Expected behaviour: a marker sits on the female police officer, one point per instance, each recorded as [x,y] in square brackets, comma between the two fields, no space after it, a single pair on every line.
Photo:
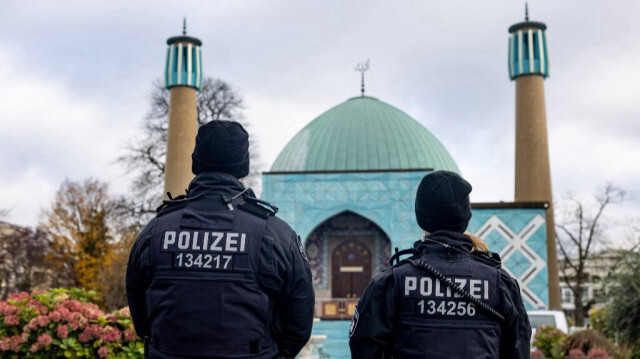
[442,302]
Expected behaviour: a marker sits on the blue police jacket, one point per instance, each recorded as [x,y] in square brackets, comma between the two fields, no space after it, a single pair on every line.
[431,312]
[217,275]
[406,312]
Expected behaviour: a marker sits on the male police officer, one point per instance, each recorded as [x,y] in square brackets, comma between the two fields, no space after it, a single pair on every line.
[443,302]
[215,273]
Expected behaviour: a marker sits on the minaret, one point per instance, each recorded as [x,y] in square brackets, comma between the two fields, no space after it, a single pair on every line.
[529,66]
[183,77]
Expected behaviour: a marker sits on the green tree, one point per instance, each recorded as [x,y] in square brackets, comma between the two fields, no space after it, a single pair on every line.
[623,312]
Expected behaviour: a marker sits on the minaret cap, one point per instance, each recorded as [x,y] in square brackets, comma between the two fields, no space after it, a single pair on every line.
[527,23]
[532,24]
[184,37]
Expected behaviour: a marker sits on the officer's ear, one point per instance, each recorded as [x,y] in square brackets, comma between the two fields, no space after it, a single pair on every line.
[243,182]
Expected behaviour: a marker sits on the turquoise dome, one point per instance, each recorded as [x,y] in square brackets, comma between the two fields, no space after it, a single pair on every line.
[363,134]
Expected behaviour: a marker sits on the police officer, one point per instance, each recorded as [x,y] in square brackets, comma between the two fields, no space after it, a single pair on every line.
[216,274]
[442,301]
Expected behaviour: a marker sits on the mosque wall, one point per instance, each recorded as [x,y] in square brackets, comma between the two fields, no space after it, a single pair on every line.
[385,198]
[307,200]
[519,236]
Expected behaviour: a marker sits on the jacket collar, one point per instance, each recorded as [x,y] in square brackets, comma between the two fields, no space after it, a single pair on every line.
[208,183]
[445,242]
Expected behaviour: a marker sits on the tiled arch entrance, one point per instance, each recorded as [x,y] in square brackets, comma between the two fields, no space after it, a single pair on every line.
[345,252]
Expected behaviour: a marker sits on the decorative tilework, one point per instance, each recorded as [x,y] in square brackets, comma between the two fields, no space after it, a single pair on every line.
[344,224]
[387,199]
[519,236]
[496,241]
[518,264]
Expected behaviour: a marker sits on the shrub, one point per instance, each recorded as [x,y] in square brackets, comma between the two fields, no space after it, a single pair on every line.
[536,354]
[575,353]
[588,339]
[598,353]
[550,341]
[598,320]
[63,323]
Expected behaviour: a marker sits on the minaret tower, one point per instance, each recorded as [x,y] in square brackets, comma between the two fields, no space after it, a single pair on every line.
[529,66]
[183,77]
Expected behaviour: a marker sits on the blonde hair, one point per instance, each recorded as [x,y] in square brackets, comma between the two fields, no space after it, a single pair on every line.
[478,243]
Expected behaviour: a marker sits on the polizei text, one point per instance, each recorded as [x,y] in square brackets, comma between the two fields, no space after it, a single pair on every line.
[204,241]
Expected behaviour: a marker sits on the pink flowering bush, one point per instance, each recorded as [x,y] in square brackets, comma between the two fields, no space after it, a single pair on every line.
[598,353]
[576,353]
[63,323]
[536,354]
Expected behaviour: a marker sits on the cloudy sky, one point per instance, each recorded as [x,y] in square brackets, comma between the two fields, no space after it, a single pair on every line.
[75,78]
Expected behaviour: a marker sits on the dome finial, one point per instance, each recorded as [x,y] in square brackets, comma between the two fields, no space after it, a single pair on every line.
[526,11]
[184,26]
[362,67]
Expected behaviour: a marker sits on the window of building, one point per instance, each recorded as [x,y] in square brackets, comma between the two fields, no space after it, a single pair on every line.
[536,46]
[525,45]
[185,58]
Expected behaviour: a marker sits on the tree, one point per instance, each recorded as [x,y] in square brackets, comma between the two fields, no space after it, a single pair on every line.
[22,259]
[623,312]
[90,234]
[580,234]
[216,100]
[112,276]
[80,236]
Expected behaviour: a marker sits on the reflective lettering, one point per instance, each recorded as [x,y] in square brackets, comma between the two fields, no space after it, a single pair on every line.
[438,291]
[433,287]
[169,238]
[198,261]
[242,239]
[183,240]
[232,242]
[195,245]
[461,282]
[214,245]
[199,241]
[410,283]
[205,240]
[425,286]
[474,288]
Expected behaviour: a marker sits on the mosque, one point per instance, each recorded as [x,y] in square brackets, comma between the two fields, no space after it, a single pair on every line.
[346,182]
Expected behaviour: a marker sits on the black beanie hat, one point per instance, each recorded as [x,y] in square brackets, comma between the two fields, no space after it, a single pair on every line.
[442,202]
[221,146]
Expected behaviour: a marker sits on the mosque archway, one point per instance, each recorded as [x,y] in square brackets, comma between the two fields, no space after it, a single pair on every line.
[345,252]
[350,267]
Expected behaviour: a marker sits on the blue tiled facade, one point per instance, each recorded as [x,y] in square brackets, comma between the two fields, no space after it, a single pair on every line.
[519,236]
[387,199]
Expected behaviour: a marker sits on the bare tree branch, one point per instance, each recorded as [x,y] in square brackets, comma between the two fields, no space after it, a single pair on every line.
[145,157]
[581,230]
[571,235]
